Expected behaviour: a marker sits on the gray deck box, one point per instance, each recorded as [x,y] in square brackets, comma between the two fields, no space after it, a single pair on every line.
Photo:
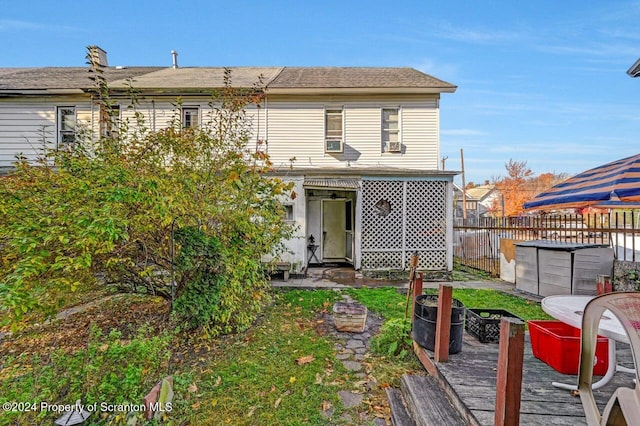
[546,268]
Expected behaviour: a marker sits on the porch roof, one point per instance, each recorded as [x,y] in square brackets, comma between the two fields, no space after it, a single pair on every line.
[333,183]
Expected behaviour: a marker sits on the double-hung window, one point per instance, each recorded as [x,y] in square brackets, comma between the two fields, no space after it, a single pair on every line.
[333,141]
[190,117]
[391,130]
[66,116]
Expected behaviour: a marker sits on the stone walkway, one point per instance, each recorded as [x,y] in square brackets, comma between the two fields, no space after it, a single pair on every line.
[352,350]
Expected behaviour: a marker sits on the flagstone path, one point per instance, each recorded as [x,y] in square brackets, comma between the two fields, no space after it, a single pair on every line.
[352,351]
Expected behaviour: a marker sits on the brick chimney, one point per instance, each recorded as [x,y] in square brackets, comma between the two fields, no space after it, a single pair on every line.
[98,55]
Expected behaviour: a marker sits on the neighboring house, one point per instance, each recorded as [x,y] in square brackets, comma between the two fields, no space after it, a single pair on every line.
[488,197]
[366,143]
[467,210]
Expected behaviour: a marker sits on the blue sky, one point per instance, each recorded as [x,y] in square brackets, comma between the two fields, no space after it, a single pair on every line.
[538,81]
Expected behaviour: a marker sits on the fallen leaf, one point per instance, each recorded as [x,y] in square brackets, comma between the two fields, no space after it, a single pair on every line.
[195,405]
[214,402]
[326,405]
[305,359]
[318,379]
[218,381]
[278,401]
[251,410]
[193,388]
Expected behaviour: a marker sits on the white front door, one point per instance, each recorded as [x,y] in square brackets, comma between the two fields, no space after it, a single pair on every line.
[333,230]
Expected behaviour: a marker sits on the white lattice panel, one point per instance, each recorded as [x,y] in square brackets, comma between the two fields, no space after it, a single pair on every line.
[382,260]
[426,215]
[434,260]
[400,218]
[382,215]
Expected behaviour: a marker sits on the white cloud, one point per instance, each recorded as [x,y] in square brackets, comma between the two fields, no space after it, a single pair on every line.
[446,30]
[10,24]
[17,25]
[462,132]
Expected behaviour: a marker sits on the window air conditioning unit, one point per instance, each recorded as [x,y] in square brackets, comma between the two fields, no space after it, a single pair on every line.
[333,145]
[394,147]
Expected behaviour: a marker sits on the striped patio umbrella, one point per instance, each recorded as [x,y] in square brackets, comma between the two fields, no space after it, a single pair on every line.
[612,185]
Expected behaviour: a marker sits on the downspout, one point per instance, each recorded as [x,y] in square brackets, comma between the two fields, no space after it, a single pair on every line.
[153,114]
[266,122]
[93,121]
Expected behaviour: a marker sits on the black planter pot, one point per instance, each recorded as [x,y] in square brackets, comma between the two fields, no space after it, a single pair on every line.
[424,322]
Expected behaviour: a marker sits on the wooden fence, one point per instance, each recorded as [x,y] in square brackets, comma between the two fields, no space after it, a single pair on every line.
[478,245]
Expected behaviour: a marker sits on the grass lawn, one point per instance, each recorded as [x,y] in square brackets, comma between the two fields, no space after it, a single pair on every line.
[281,371]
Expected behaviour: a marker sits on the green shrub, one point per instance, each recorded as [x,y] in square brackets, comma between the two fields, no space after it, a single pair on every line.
[109,208]
[394,338]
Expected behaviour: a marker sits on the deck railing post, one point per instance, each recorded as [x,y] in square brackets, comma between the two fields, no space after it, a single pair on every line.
[417,291]
[443,323]
[510,365]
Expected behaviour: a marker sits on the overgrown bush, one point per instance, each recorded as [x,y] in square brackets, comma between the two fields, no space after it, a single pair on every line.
[112,208]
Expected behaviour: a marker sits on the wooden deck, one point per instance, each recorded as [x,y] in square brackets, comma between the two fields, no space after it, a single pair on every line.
[470,377]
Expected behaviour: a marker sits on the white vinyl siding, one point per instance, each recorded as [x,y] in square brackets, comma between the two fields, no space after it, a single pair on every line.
[297,130]
[27,127]
[293,128]
[420,135]
[362,131]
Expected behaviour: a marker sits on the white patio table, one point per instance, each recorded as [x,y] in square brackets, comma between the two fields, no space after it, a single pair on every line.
[569,309]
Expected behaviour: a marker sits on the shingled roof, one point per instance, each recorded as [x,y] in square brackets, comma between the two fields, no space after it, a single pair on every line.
[52,78]
[201,78]
[275,79]
[357,77]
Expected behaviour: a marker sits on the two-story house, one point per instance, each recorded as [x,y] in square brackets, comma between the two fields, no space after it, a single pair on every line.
[365,142]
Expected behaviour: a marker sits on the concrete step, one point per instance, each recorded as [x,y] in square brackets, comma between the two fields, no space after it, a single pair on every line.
[399,414]
[426,402]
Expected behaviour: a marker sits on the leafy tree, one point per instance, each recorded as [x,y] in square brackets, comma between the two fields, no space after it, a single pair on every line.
[118,210]
[520,185]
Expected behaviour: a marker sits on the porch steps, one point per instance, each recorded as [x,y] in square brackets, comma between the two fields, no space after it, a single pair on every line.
[422,402]
[399,414]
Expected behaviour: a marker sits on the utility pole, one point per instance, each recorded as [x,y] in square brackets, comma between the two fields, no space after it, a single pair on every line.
[464,190]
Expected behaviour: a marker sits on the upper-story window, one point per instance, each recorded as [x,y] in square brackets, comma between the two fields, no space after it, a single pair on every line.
[190,117]
[391,130]
[333,130]
[66,125]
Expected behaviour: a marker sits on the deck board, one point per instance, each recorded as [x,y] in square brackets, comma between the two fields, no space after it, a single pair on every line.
[472,376]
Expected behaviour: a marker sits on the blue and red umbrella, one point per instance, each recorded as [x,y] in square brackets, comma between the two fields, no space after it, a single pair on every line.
[612,185]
